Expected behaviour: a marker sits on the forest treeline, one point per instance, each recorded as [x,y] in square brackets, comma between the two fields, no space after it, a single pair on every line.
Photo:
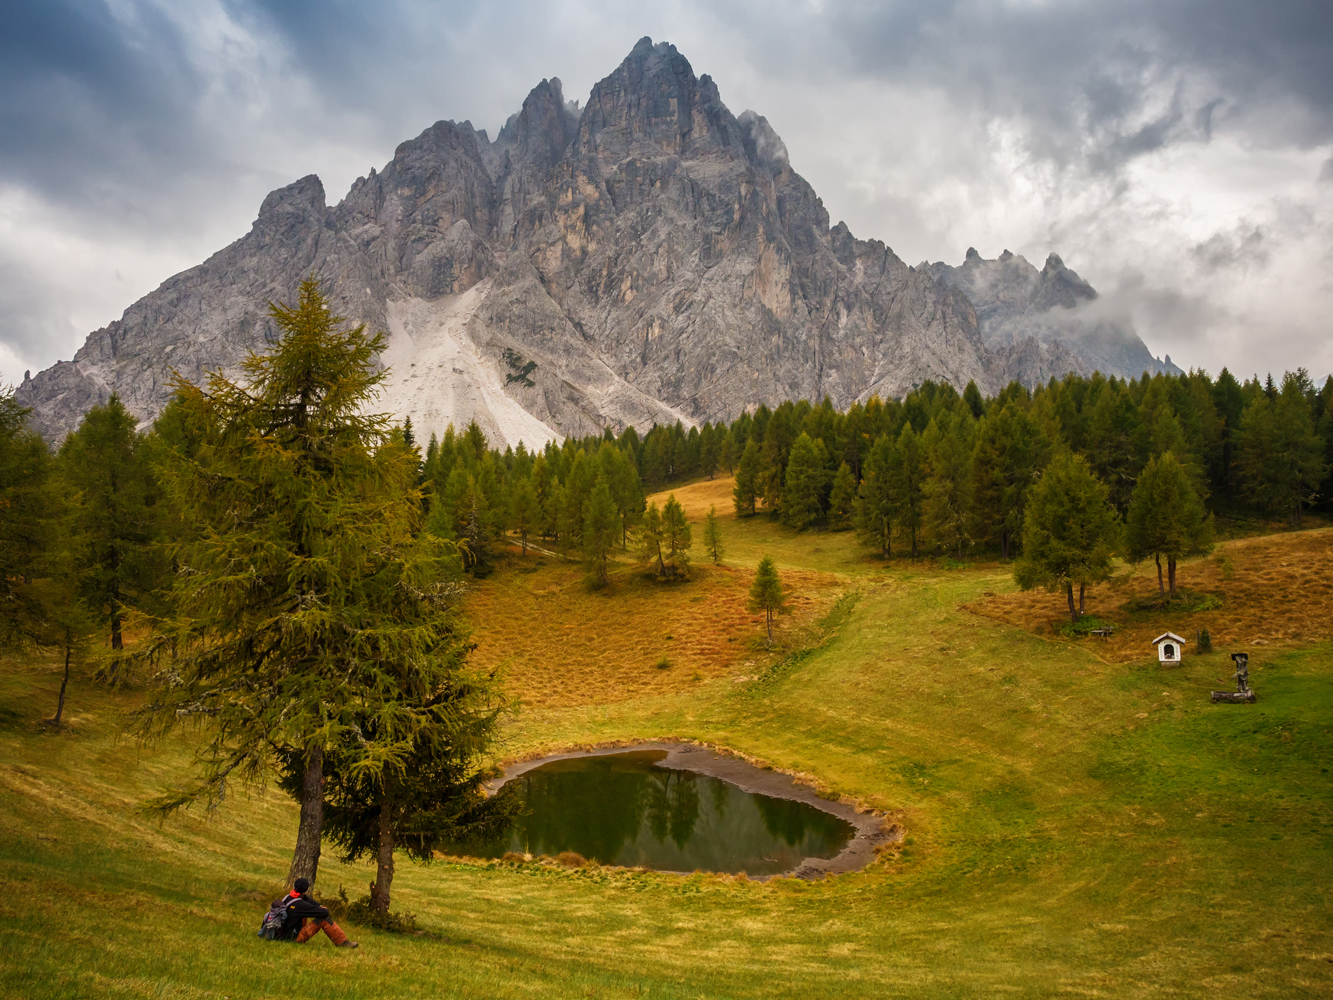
[937,472]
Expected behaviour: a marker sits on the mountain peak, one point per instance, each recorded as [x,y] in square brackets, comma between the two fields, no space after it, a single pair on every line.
[652,104]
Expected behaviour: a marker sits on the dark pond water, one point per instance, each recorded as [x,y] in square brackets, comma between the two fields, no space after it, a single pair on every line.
[622,809]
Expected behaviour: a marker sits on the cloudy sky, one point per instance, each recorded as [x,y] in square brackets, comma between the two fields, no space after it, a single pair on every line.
[1177,153]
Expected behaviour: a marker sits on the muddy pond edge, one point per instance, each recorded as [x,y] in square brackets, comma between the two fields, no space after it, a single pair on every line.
[875,829]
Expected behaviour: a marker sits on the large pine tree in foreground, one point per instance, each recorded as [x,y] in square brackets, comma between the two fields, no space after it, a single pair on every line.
[309,599]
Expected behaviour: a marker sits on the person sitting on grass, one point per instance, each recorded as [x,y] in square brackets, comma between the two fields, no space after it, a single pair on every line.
[302,909]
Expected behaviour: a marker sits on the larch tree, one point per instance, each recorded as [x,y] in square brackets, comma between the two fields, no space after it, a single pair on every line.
[875,501]
[1069,531]
[745,493]
[766,593]
[805,490]
[650,540]
[27,529]
[309,597]
[906,476]
[1009,453]
[112,485]
[1166,518]
[842,499]
[524,511]
[676,538]
[1281,457]
[713,536]
[427,792]
[946,494]
[601,528]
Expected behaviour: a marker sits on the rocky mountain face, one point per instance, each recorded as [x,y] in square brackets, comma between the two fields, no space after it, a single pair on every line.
[1056,308]
[647,258]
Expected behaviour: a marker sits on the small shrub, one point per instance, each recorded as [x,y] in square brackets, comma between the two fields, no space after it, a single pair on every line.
[571,859]
[1083,627]
[1205,641]
[359,912]
[1181,601]
[514,857]
[696,676]
[663,664]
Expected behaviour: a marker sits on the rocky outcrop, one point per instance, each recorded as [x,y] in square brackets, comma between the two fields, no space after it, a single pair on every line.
[1054,308]
[650,257]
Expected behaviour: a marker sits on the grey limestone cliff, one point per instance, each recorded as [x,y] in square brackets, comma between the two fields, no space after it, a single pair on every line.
[654,255]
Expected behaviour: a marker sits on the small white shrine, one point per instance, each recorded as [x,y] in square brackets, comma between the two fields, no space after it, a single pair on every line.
[1169,646]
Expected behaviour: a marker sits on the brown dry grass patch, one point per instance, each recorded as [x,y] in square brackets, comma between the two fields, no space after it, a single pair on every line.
[560,644]
[1276,590]
[698,496]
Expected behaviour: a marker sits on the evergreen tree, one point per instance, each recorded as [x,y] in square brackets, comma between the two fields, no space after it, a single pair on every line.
[766,593]
[601,525]
[842,499]
[313,600]
[1281,457]
[524,511]
[1069,531]
[727,454]
[26,527]
[709,450]
[806,487]
[430,797]
[713,536]
[1166,517]
[875,503]
[1009,453]
[650,540]
[906,475]
[946,499]
[107,471]
[676,538]
[746,491]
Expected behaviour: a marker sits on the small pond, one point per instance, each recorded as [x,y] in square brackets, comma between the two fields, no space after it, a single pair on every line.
[625,809]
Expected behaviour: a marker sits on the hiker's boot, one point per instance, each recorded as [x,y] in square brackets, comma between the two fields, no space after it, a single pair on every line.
[350,944]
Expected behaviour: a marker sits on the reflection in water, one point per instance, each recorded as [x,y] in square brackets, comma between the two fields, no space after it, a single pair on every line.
[622,809]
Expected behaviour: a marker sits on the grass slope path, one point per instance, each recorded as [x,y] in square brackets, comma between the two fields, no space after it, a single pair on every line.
[1077,827]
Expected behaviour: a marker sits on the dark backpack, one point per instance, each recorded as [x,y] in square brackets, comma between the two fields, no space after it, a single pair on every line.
[271,929]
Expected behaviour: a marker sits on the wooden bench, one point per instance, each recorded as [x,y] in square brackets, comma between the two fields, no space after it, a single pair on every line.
[1102,633]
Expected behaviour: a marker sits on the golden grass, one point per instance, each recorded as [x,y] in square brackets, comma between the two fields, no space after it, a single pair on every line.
[561,644]
[698,496]
[1276,590]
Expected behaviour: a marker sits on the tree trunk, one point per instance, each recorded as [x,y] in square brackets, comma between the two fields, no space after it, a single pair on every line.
[886,537]
[1082,589]
[1171,572]
[768,618]
[60,705]
[1069,593]
[524,536]
[1004,544]
[379,892]
[913,543]
[1161,588]
[116,641]
[305,859]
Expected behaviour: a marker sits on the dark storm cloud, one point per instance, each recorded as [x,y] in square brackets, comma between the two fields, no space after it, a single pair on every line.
[1080,71]
[91,101]
[159,126]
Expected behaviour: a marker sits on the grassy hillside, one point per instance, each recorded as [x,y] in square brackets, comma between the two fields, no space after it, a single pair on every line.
[1079,824]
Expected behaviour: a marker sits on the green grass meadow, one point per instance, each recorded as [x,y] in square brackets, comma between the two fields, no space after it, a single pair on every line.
[1074,828]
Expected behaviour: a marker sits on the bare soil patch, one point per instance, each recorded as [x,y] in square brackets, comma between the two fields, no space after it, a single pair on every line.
[1276,591]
